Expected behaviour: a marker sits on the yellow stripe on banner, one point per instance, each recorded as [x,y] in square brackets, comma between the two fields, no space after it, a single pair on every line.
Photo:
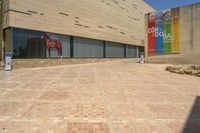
[175,31]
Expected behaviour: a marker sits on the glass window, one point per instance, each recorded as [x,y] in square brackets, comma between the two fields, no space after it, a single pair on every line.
[87,48]
[114,50]
[28,44]
[131,51]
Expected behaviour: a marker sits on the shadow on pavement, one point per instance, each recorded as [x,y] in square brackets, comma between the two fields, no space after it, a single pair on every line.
[192,125]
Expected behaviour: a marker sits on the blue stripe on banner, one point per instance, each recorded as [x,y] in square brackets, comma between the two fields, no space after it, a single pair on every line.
[159,33]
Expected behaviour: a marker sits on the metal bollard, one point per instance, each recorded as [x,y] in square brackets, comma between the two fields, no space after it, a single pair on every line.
[142,58]
[8,61]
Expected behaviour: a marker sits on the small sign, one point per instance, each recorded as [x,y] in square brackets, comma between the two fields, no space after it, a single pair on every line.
[8,61]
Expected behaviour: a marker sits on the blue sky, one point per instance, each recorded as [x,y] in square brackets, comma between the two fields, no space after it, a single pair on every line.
[166,4]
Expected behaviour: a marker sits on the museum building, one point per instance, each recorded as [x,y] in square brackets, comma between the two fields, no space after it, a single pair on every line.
[74,28]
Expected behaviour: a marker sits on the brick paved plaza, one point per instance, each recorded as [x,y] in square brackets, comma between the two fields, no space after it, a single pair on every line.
[114,97]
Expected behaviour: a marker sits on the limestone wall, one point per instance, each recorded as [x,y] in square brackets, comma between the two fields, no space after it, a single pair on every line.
[189,39]
[111,20]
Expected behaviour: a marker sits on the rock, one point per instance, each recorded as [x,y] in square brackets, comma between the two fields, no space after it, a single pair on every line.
[168,68]
[194,72]
[197,68]
[180,71]
[191,70]
[175,69]
[188,70]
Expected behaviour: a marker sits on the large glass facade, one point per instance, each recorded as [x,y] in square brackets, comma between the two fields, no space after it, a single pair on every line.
[114,50]
[65,40]
[29,44]
[131,51]
[87,48]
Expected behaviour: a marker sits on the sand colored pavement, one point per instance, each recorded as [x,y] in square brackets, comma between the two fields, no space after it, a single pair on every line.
[111,97]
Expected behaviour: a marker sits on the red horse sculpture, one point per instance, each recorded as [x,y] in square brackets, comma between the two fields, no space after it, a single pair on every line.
[50,43]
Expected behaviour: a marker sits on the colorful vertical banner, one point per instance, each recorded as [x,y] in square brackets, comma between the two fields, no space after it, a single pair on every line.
[159,31]
[167,32]
[151,33]
[163,32]
[175,31]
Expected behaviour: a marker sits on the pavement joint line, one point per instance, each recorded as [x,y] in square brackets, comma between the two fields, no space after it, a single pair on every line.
[72,65]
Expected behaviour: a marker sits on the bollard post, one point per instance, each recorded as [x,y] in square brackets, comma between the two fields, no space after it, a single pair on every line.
[142,58]
[8,61]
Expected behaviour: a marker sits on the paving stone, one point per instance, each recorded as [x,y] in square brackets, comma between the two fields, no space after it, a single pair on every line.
[115,97]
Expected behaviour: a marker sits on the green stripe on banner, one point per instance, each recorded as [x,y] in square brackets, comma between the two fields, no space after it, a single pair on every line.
[167,32]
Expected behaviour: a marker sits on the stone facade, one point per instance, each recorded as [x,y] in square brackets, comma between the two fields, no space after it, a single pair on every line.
[110,20]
